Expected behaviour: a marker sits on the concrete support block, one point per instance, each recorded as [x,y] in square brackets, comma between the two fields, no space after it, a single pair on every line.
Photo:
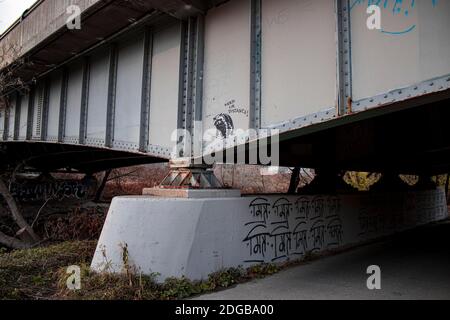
[192,193]
[177,237]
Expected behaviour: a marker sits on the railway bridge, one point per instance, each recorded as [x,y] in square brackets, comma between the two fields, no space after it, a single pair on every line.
[113,92]
[144,81]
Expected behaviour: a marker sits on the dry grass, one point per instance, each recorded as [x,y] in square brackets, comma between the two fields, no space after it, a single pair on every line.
[40,273]
[33,273]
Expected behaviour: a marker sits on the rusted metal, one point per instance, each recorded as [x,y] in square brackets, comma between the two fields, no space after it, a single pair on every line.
[349,104]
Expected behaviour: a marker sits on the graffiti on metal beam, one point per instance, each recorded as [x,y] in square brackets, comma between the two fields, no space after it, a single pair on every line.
[398,8]
[224,125]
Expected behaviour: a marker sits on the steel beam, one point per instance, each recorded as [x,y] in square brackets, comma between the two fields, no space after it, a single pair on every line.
[30,115]
[146,91]
[421,89]
[45,109]
[197,99]
[17,116]
[6,125]
[344,57]
[84,101]
[199,64]
[63,105]
[191,81]
[111,104]
[2,112]
[182,92]
[255,65]
[189,74]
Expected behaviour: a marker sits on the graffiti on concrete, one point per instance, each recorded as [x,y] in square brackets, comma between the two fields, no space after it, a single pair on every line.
[281,228]
[29,191]
[284,229]
[412,209]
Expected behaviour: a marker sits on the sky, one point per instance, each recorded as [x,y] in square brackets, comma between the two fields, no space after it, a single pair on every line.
[11,10]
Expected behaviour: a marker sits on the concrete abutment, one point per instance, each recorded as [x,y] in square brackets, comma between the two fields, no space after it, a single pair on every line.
[194,237]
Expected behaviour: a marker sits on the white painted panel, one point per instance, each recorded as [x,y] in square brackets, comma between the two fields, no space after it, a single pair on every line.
[75,82]
[413,46]
[98,96]
[298,58]
[227,64]
[164,89]
[128,94]
[11,119]
[54,102]
[23,117]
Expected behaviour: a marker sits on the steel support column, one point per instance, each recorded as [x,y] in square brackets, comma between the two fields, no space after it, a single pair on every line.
[6,124]
[345,57]
[191,83]
[31,98]
[45,110]
[63,106]
[84,100]
[146,91]
[255,64]
[112,86]
[17,115]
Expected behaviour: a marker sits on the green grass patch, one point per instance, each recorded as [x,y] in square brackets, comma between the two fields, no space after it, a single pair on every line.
[40,273]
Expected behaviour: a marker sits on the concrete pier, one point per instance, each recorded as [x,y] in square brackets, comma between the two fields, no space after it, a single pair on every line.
[176,237]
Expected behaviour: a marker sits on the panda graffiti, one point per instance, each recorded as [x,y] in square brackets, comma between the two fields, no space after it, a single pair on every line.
[224,124]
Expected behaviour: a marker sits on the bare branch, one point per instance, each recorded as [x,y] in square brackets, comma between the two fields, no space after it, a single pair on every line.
[15,212]
[12,243]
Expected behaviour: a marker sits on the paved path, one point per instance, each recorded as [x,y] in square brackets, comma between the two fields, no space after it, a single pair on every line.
[414,265]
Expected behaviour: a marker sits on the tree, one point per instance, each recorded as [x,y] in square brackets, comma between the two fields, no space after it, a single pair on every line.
[10,64]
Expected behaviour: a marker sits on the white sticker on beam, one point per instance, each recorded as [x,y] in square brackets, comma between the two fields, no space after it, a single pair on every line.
[227,65]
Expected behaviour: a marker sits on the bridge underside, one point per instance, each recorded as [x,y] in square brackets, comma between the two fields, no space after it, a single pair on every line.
[51,157]
[113,93]
[409,138]
[412,140]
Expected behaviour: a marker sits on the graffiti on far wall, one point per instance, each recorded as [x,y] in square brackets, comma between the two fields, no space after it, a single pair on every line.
[409,210]
[281,228]
[29,191]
